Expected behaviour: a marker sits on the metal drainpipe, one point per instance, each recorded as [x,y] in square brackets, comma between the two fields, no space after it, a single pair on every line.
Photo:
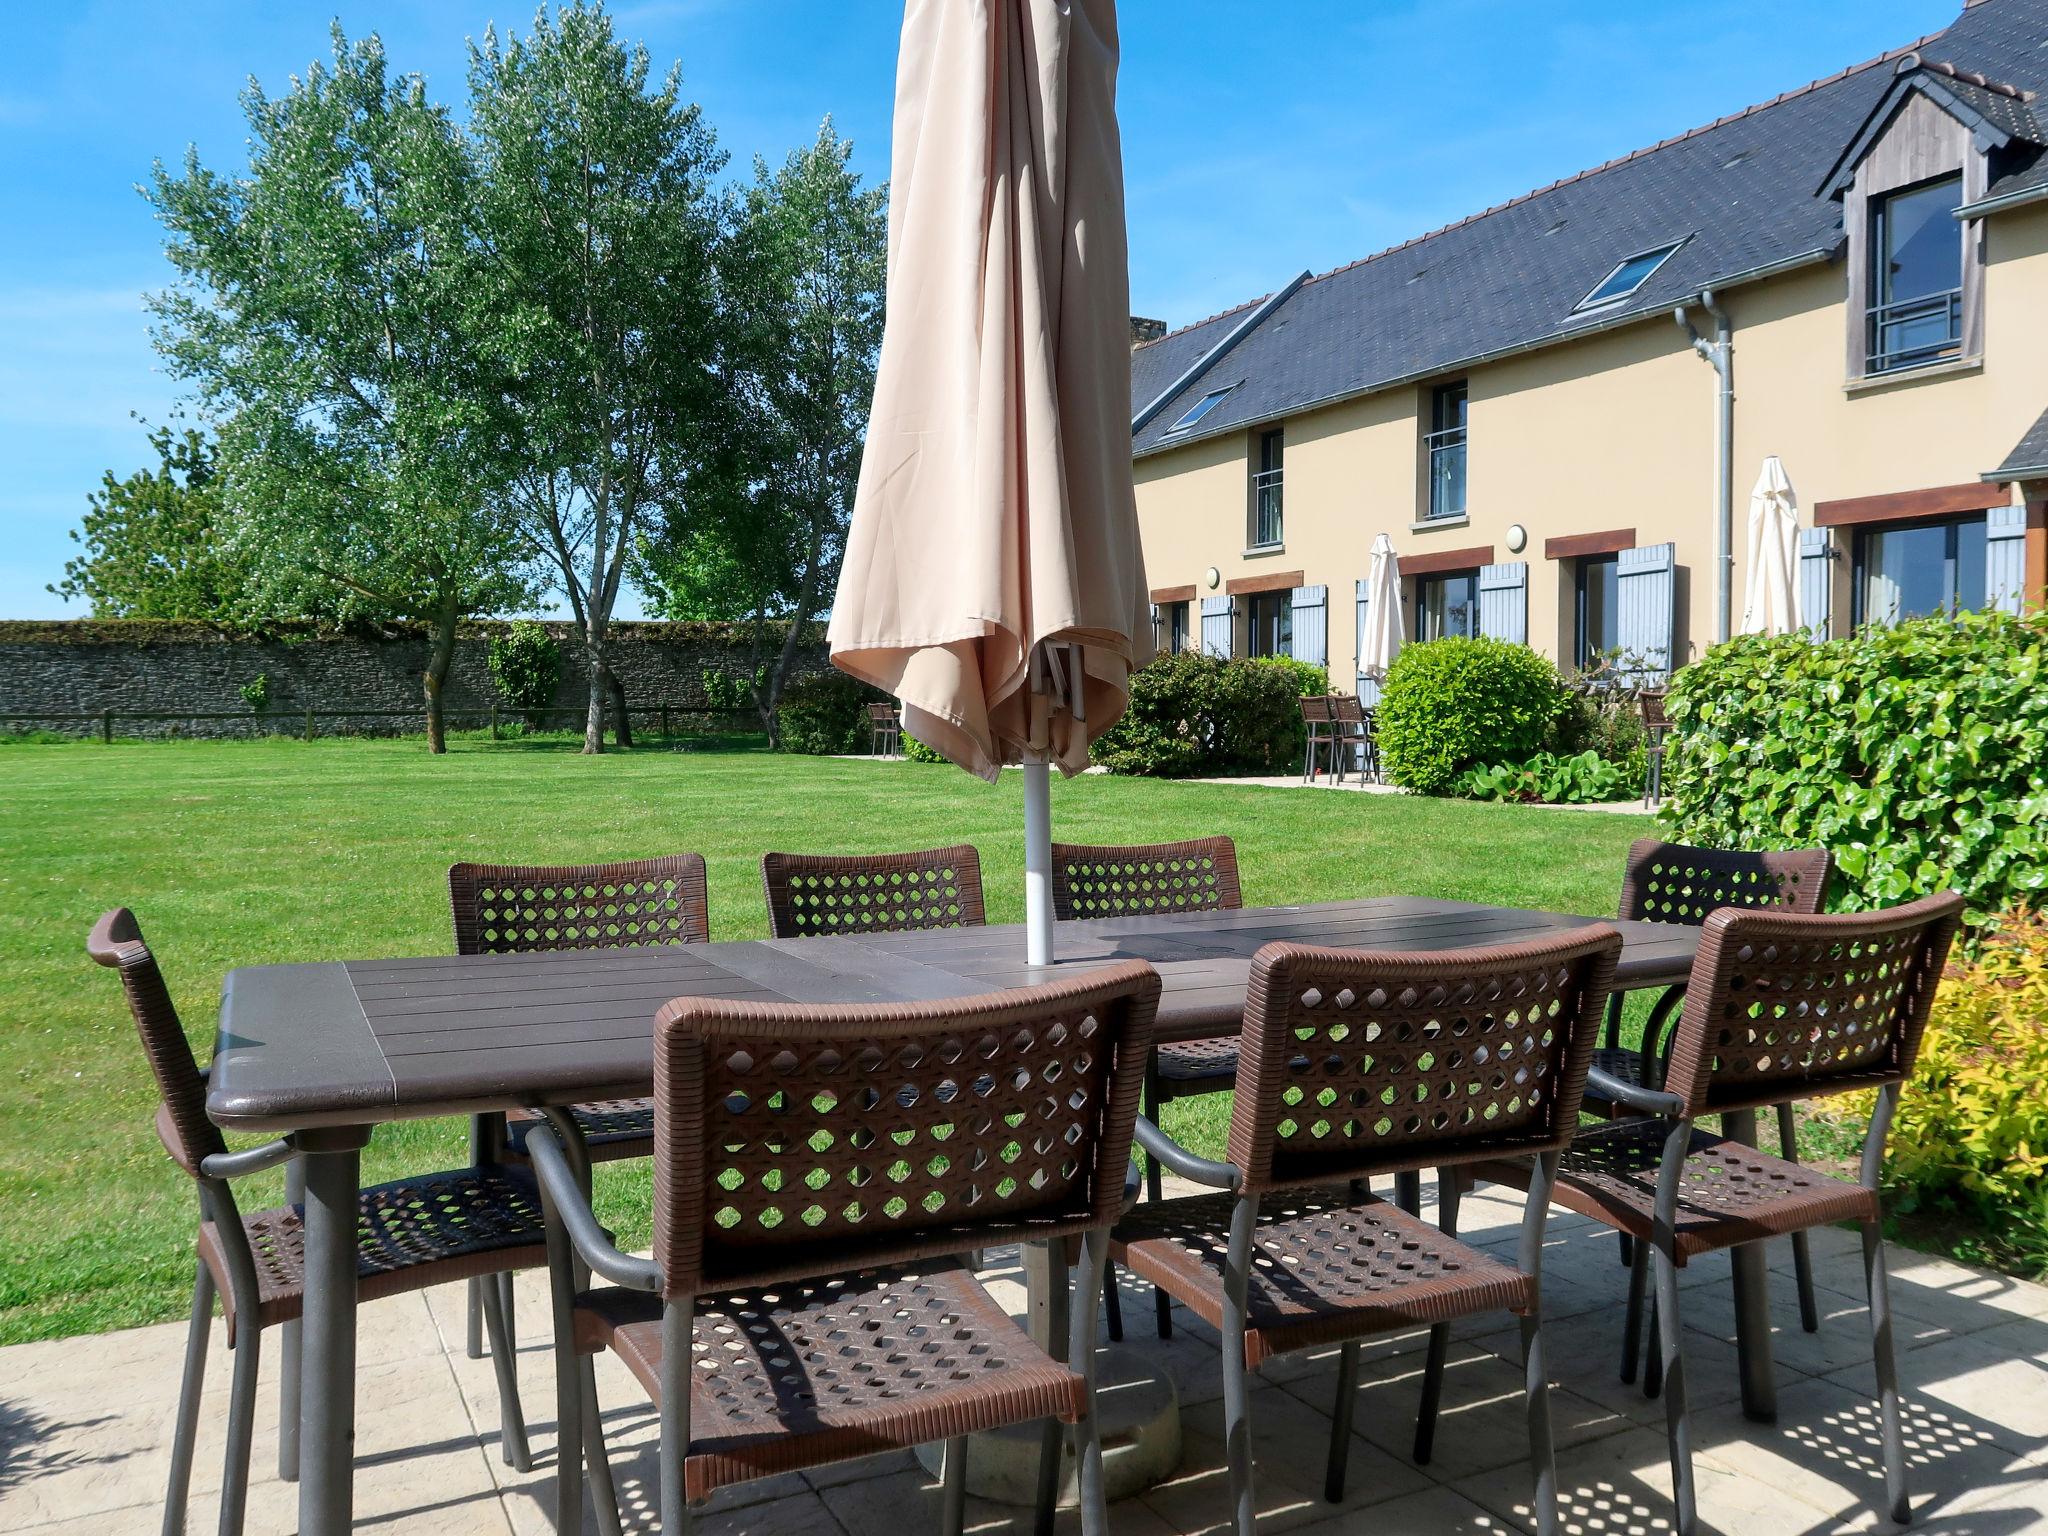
[1720,352]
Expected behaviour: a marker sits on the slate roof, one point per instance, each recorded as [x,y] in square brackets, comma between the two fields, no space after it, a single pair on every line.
[2029,456]
[1743,193]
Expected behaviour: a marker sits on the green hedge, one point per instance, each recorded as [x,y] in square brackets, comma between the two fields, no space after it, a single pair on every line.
[1914,753]
[825,715]
[1454,704]
[1194,715]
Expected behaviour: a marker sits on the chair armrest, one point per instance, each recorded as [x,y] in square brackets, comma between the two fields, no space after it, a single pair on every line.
[1178,1158]
[1650,1101]
[237,1165]
[568,1204]
[1134,1185]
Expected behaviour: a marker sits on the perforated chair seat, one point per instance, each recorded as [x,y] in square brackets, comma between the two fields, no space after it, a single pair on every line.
[613,1129]
[1198,1064]
[1326,1267]
[817,1371]
[1729,1194]
[410,1233]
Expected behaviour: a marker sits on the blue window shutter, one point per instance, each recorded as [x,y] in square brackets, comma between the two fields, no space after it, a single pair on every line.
[1312,625]
[1368,687]
[1219,626]
[1504,601]
[1816,581]
[2005,558]
[1647,624]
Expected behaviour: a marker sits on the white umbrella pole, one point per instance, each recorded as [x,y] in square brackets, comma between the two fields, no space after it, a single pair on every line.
[1037,862]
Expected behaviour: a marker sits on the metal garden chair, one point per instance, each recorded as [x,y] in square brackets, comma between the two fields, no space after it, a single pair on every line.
[1355,1063]
[823,893]
[1356,738]
[819,1170]
[1195,876]
[885,731]
[1780,1006]
[412,1233]
[1316,718]
[526,908]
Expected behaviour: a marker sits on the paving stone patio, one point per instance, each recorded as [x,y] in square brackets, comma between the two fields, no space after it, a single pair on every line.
[84,1423]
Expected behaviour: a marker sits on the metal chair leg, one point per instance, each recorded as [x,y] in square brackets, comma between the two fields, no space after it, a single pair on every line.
[1237,1419]
[1056,1337]
[953,1488]
[1653,1368]
[1678,1424]
[186,1431]
[1088,1432]
[289,1350]
[1113,1310]
[1432,1392]
[511,1420]
[1896,1496]
[1162,1304]
[1340,1424]
[1632,1322]
[1802,1253]
[597,1459]
[234,1483]
[1542,1447]
[570,1399]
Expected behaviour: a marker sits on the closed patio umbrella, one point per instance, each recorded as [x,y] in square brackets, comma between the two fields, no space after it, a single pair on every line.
[1770,604]
[1381,641]
[993,580]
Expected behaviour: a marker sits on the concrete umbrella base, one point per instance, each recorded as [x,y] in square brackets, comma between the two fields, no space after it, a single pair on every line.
[1140,1439]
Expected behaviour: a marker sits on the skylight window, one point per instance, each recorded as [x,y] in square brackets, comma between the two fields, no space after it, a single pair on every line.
[1627,277]
[1199,409]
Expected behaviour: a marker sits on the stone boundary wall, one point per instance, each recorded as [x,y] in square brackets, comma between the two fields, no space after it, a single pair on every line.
[164,667]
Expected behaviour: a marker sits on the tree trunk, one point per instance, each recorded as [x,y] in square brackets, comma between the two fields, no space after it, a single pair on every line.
[622,723]
[439,656]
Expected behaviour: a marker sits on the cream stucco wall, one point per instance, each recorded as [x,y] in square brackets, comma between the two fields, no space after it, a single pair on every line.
[1617,430]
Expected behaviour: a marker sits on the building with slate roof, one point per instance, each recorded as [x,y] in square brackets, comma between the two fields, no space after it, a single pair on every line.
[1530,401]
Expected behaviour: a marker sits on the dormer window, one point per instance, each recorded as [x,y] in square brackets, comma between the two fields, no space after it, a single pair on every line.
[1627,277]
[1916,277]
[1198,410]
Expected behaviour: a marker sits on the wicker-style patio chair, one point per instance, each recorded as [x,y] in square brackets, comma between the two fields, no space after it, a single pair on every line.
[1316,720]
[1356,737]
[885,730]
[1195,876]
[411,1234]
[819,1171]
[1356,1063]
[525,908]
[1656,737]
[1675,883]
[1780,1006]
[824,893]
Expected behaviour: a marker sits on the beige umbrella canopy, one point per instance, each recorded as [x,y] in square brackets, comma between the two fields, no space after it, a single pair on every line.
[1771,602]
[994,542]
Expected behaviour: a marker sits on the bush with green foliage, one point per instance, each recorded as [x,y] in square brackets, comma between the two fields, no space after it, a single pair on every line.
[825,714]
[1581,778]
[731,690]
[1914,753]
[1971,1135]
[1452,704]
[256,693]
[526,666]
[1192,714]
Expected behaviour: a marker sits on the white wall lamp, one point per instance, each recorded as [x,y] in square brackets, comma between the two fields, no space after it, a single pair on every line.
[1518,538]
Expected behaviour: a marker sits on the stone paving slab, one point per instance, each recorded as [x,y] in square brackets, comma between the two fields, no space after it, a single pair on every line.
[84,1423]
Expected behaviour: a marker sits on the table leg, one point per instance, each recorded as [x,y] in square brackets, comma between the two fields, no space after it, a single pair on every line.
[327,1406]
[1752,1302]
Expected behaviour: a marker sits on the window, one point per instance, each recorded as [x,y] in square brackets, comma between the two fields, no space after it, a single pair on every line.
[1916,277]
[1598,607]
[1266,524]
[1905,572]
[1627,277]
[1445,445]
[1447,605]
[1269,624]
[1172,636]
[1199,409]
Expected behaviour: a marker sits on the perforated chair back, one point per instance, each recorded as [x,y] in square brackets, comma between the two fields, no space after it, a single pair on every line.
[1315,709]
[1676,883]
[520,908]
[814,893]
[1195,876]
[1347,709]
[1357,1062]
[881,714]
[181,1121]
[1787,1005]
[795,1139]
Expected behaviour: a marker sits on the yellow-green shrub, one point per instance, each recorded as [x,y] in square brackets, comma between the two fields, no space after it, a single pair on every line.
[1971,1135]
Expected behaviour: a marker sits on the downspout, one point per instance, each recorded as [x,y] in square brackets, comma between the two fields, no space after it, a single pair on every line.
[1720,352]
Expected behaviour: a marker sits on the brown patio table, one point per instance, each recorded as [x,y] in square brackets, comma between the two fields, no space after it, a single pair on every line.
[326,1051]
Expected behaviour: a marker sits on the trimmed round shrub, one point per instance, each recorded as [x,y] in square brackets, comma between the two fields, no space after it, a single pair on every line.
[825,715]
[1453,704]
[1914,753]
[1192,714]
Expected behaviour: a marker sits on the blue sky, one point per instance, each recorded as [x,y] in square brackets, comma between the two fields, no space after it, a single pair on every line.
[1259,139]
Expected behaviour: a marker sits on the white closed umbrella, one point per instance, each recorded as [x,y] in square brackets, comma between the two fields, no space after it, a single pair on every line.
[1770,603]
[1381,641]
[993,579]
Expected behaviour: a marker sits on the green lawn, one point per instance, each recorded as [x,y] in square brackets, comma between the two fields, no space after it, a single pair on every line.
[248,852]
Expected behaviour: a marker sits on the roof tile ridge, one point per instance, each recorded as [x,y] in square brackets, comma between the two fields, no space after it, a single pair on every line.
[1196,325]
